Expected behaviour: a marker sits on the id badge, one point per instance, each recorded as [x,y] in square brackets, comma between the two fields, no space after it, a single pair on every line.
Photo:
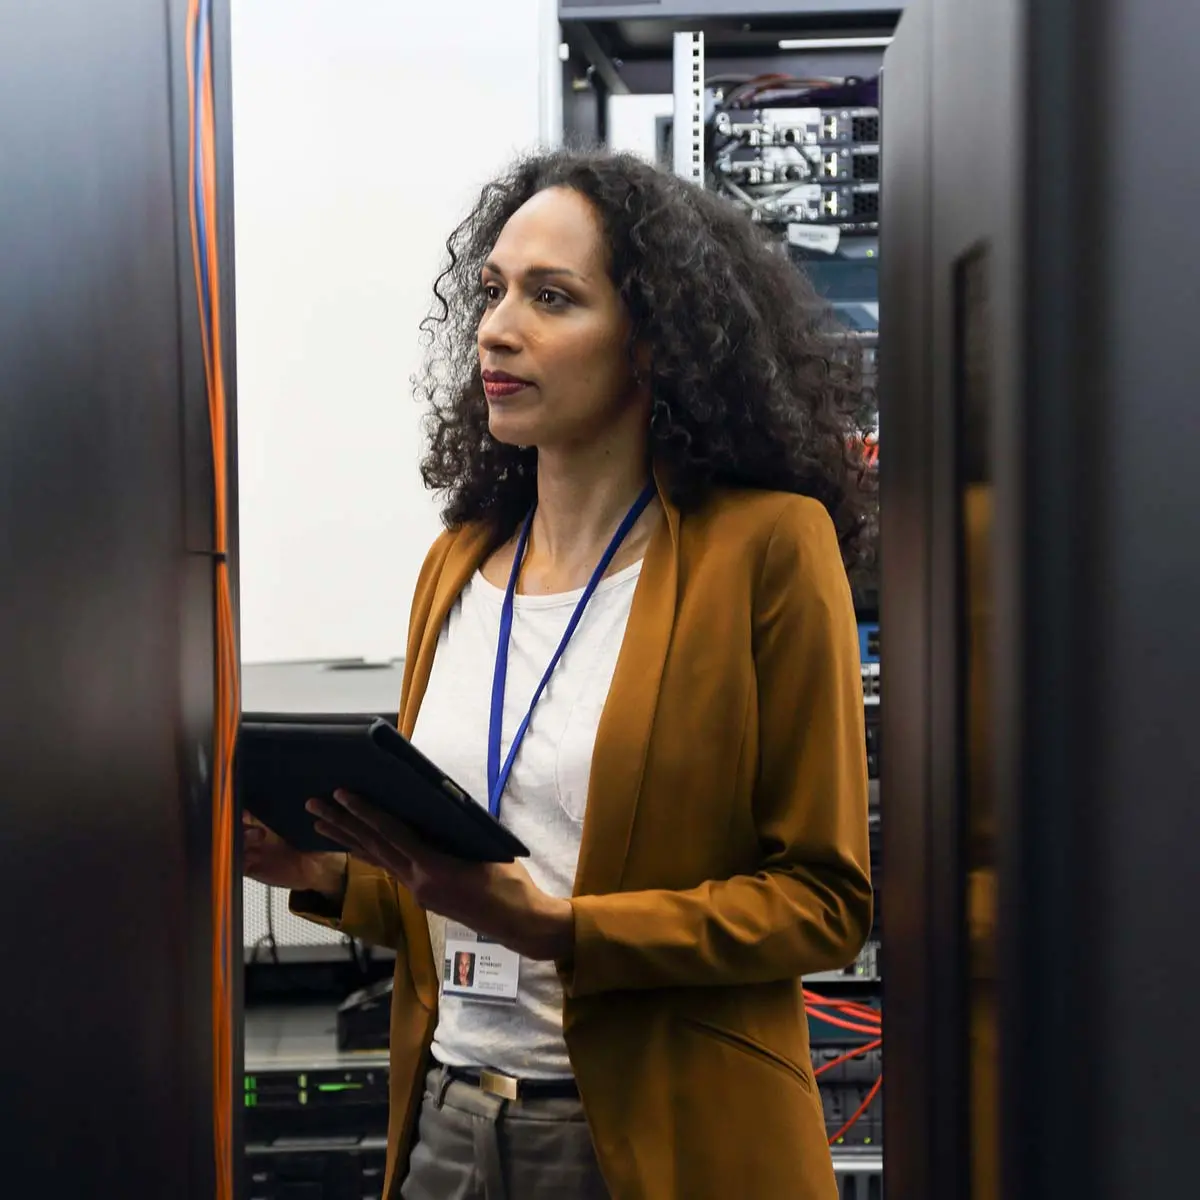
[474,969]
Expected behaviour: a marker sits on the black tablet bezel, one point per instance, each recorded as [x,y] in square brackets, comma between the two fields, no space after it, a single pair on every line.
[407,785]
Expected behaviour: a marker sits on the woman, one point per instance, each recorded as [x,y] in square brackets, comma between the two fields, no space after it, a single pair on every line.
[637,418]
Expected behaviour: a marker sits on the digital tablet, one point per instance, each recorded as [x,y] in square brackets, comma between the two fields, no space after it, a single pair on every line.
[285,761]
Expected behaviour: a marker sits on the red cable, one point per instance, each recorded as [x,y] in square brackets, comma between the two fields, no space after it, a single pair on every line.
[817,998]
[872,1025]
[862,1108]
[849,1026]
[865,1048]
[848,1008]
[837,1023]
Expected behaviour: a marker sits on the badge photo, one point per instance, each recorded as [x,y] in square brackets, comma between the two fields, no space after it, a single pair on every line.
[478,970]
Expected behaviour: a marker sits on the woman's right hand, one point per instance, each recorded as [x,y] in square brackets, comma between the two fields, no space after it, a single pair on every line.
[269,859]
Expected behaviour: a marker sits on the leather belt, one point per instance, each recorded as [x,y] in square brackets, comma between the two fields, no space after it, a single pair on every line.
[508,1088]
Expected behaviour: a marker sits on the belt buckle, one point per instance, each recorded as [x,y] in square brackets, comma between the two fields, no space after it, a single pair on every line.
[495,1084]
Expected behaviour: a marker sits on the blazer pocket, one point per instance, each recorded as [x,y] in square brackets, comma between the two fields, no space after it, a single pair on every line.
[752,1048]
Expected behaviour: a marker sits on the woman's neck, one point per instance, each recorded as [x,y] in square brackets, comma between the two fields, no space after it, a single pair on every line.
[580,504]
[582,500]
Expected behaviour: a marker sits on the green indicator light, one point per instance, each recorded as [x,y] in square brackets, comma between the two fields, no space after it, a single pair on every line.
[304,1081]
[303,1097]
[339,1087]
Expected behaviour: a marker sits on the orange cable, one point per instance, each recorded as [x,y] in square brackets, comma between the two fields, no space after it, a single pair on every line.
[227,704]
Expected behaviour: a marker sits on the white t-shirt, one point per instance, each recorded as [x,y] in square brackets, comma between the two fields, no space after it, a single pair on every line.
[546,796]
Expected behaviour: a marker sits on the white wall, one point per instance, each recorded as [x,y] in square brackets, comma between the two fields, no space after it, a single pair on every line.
[362,130]
[633,122]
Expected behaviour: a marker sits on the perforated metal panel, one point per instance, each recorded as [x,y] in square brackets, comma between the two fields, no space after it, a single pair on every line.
[264,909]
[687,134]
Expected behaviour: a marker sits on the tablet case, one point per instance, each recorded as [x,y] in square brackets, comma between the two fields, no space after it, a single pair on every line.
[285,761]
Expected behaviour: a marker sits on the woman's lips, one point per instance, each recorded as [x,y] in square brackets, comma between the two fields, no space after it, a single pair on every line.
[500,385]
[501,389]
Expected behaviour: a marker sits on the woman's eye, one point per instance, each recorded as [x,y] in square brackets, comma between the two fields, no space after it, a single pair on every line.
[491,292]
[550,298]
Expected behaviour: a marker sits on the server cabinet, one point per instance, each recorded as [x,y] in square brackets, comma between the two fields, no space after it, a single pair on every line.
[106,618]
[1041,519]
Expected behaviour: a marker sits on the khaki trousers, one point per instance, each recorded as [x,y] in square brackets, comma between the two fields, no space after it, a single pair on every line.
[473,1146]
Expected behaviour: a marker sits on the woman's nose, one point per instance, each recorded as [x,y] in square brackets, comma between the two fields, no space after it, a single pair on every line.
[499,328]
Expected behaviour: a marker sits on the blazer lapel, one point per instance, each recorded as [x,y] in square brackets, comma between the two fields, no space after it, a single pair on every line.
[623,736]
[431,607]
[464,556]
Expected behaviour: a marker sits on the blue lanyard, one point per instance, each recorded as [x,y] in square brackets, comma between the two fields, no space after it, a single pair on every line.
[498,775]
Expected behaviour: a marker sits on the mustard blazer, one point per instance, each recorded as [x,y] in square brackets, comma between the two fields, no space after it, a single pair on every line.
[724,856]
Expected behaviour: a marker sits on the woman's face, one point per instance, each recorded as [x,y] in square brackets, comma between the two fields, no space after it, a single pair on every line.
[554,339]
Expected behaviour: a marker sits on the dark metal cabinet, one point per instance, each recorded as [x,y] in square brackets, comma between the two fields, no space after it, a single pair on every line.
[106,631]
[1041,518]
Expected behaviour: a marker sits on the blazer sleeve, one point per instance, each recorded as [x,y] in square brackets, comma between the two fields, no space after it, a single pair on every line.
[808,906]
[369,911]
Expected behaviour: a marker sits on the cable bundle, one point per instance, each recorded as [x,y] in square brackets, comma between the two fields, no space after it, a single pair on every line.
[854,1018]
[202,205]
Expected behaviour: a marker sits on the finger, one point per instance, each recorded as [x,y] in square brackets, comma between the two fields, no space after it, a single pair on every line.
[337,834]
[378,843]
[382,839]
[335,815]
[375,849]
[388,827]
[252,864]
[353,848]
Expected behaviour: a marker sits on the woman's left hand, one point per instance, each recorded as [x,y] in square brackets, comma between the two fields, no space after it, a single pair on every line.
[497,900]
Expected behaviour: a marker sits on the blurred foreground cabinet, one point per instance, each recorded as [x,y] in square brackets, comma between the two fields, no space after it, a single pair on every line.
[1040,525]
[106,625]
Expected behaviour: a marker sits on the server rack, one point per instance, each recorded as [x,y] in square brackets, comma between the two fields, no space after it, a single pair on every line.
[641,81]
